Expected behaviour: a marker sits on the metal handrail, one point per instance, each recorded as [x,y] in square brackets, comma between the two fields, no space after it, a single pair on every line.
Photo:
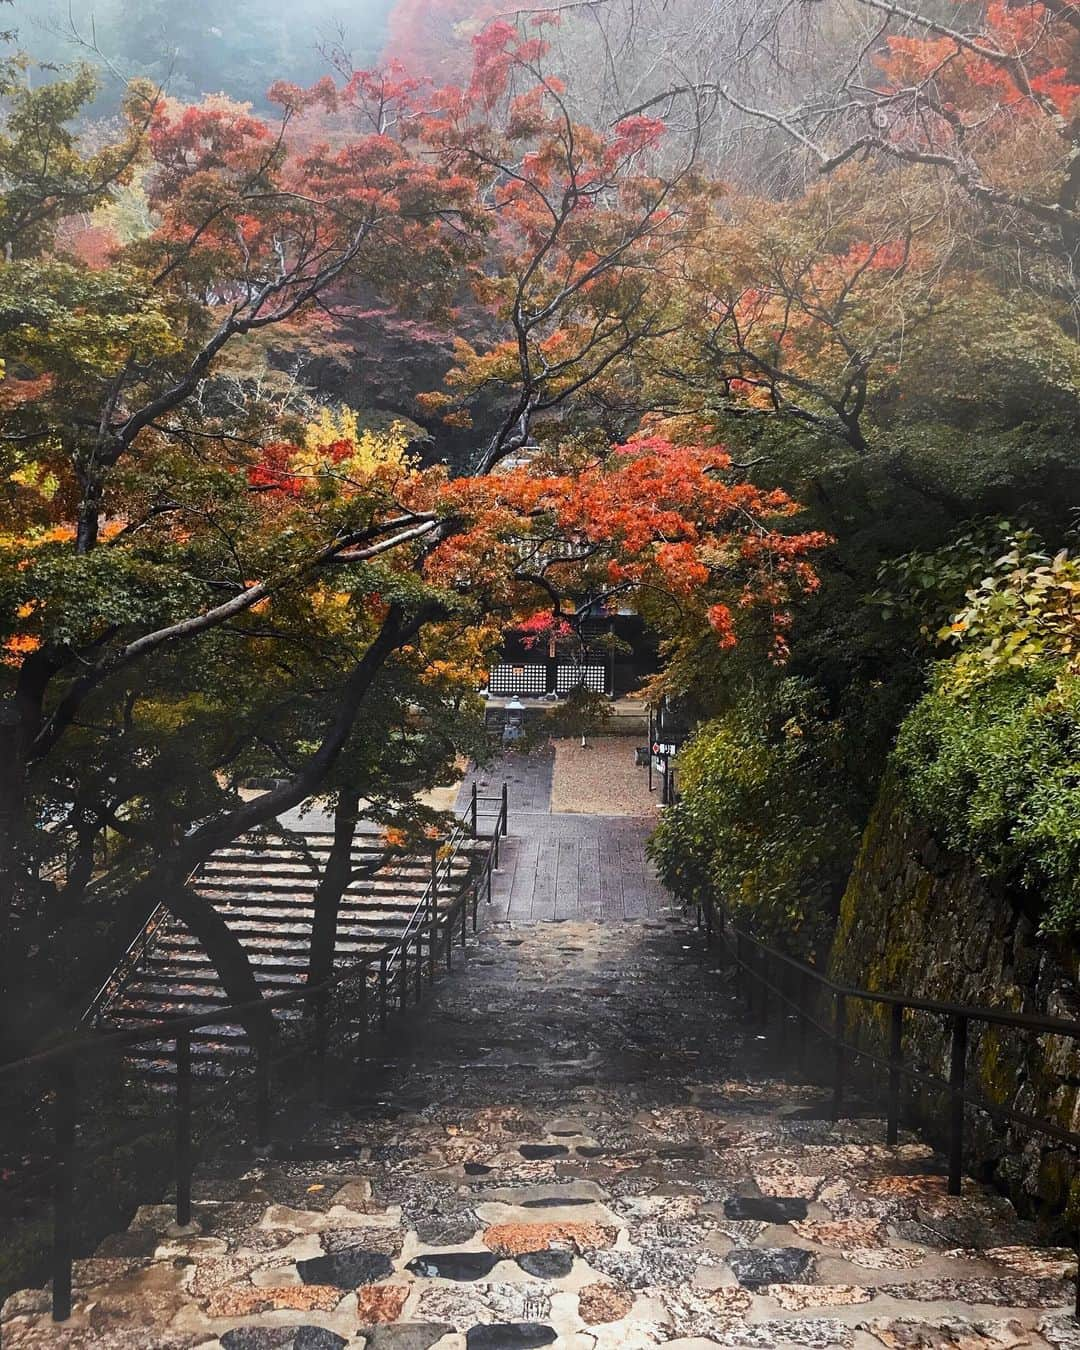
[975,1011]
[428,900]
[771,971]
[60,1060]
[153,1030]
[125,968]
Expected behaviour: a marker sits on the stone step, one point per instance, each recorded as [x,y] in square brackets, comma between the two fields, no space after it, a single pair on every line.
[362,935]
[272,886]
[354,906]
[273,910]
[320,845]
[162,1071]
[264,890]
[170,985]
[256,940]
[203,1039]
[184,961]
[282,864]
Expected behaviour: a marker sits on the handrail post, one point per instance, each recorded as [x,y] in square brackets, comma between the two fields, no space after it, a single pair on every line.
[63,1185]
[403,981]
[474,813]
[896,1058]
[262,1087]
[740,973]
[434,876]
[839,1027]
[362,1011]
[708,921]
[183,1127]
[957,1074]
[382,992]
[321,1036]
[448,931]
[418,978]
[505,812]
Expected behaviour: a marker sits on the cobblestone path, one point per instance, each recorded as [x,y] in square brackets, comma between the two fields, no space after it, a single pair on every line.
[576,1143]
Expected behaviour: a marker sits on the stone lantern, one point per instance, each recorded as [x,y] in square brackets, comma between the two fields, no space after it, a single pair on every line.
[514,721]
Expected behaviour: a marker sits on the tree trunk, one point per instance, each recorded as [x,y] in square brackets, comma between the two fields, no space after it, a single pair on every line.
[335,878]
[225,951]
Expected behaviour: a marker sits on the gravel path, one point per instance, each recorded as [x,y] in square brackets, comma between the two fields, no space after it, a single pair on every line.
[602,779]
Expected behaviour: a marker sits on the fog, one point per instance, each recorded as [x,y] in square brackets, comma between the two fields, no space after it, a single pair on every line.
[201,46]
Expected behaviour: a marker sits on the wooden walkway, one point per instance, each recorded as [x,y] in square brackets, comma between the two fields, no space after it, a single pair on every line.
[577,867]
[567,865]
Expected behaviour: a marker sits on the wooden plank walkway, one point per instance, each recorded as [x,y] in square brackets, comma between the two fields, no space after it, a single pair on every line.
[567,865]
[558,867]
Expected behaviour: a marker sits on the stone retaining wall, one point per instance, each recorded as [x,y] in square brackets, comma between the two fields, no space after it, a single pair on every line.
[918,919]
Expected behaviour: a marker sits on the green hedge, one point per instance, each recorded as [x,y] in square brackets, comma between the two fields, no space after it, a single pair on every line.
[994,770]
[758,824]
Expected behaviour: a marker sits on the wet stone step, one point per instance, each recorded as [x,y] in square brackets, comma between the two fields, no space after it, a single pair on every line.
[687,1152]
[755,1267]
[509,1336]
[288,942]
[766,1208]
[405,1335]
[547,1265]
[348,1268]
[200,1049]
[281,1338]
[556,1201]
[454,1265]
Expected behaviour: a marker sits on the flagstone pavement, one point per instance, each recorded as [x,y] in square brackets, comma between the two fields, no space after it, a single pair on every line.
[576,1141]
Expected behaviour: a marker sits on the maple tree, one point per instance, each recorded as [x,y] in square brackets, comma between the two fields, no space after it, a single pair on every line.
[434,39]
[588,230]
[978,103]
[207,579]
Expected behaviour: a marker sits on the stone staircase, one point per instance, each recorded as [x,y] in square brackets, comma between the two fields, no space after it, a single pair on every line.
[264,886]
[581,1144]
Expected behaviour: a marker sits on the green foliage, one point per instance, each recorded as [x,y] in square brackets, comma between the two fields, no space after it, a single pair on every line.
[927,588]
[1024,613]
[46,172]
[759,824]
[990,753]
[993,770]
[1008,354]
[582,713]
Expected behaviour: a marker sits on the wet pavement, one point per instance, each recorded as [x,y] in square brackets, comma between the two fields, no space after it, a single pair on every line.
[577,1141]
[557,864]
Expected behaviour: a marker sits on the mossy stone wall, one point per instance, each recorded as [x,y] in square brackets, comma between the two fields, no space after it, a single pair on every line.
[920,920]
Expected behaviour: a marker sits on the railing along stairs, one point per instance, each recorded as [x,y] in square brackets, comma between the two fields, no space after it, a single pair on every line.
[289,1035]
[814,1025]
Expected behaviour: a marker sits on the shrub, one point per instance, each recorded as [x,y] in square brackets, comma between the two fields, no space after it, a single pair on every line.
[993,767]
[757,825]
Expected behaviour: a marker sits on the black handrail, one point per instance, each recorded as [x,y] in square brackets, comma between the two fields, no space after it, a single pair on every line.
[771,972]
[60,1060]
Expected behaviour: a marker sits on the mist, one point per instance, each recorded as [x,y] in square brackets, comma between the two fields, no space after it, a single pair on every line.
[202,46]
